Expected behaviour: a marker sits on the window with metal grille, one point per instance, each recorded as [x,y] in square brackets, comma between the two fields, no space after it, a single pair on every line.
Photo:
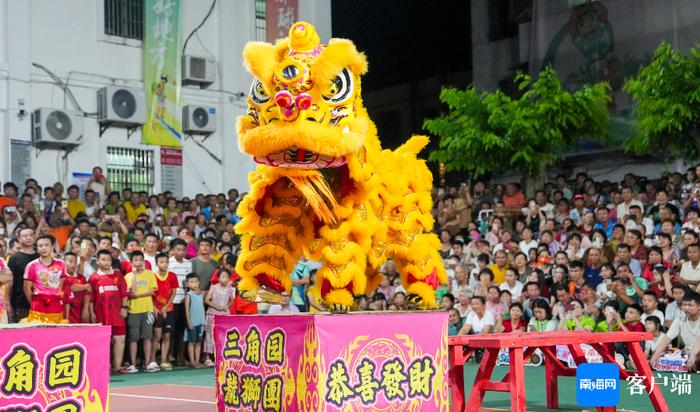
[124,18]
[260,23]
[130,168]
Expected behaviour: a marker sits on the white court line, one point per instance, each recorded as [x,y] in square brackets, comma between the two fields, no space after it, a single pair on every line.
[166,384]
[162,398]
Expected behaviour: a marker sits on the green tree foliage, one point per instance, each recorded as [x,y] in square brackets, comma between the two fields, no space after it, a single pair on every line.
[487,132]
[667,95]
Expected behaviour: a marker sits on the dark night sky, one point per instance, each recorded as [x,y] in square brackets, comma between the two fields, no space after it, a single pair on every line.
[406,40]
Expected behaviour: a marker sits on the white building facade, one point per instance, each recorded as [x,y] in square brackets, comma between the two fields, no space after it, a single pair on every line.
[69,38]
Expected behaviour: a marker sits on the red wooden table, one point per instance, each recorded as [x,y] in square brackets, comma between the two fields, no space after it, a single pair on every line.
[521,346]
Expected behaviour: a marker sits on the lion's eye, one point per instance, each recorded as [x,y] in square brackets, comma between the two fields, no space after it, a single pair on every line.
[341,88]
[257,93]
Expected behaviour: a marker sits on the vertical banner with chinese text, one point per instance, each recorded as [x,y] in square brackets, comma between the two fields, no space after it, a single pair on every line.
[54,368]
[279,17]
[162,62]
[332,363]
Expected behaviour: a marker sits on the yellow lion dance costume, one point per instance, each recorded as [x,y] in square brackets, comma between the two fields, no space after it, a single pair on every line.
[324,188]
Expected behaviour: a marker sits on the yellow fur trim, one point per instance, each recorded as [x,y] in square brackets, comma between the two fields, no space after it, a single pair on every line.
[426,293]
[319,138]
[303,37]
[260,59]
[339,54]
[339,297]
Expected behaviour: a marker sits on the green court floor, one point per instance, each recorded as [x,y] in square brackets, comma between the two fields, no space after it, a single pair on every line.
[534,386]
[178,376]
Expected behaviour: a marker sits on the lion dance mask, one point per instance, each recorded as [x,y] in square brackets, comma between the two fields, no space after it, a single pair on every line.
[324,188]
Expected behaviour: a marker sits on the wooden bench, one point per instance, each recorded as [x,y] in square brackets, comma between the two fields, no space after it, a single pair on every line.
[521,345]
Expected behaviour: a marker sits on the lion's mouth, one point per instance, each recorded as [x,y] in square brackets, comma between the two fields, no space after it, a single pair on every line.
[300,159]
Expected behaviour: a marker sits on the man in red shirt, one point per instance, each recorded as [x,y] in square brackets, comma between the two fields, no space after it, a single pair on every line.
[43,284]
[108,304]
[10,196]
[76,293]
[165,314]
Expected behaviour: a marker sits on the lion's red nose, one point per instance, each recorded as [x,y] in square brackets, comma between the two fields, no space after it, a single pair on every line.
[304,101]
[284,99]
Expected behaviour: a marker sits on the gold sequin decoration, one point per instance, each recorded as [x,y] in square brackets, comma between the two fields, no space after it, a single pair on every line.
[363,212]
[278,239]
[315,244]
[296,201]
[274,261]
[338,245]
[285,219]
[336,269]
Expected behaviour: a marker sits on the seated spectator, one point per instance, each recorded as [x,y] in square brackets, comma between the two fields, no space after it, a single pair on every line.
[462,304]
[604,288]
[512,284]
[624,256]
[493,301]
[516,322]
[652,324]
[575,319]
[542,317]
[479,320]
[527,242]
[485,282]
[499,267]
[674,308]
[454,322]
[650,304]
[632,322]
[447,301]
[690,271]
[603,221]
[576,281]
[687,327]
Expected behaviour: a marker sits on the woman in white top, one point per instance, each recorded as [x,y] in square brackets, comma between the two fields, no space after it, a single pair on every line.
[527,241]
[479,320]
[512,284]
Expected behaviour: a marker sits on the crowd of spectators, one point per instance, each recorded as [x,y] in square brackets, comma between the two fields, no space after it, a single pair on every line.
[579,255]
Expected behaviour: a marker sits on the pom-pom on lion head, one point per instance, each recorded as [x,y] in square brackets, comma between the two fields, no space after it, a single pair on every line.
[304,110]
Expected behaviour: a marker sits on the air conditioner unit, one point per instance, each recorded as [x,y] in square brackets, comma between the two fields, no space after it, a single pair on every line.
[57,127]
[198,70]
[121,106]
[198,119]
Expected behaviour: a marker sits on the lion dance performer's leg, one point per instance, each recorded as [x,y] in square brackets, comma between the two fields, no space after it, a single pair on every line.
[343,250]
[414,251]
[274,228]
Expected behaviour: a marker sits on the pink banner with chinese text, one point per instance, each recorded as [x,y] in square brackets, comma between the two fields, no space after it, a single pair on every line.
[54,368]
[332,363]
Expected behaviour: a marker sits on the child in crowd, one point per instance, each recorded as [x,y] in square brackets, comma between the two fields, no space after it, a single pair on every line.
[455,322]
[219,297]
[542,320]
[142,286]
[194,313]
[633,316]
[5,291]
[76,294]
[108,304]
[165,316]
[652,324]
